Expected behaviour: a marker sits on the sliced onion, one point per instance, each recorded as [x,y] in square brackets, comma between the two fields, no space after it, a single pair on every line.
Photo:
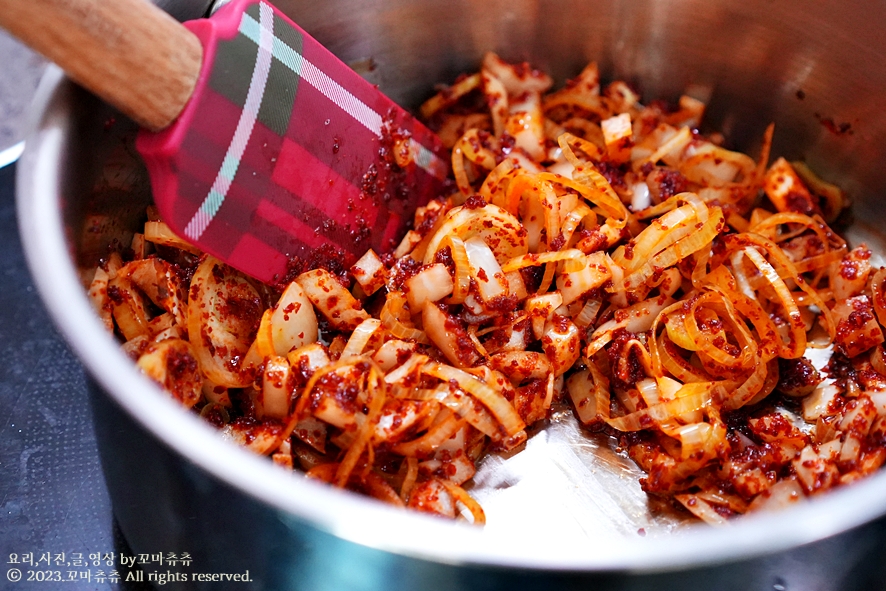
[516,285]
[461,282]
[710,345]
[98,295]
[485,270]
[681,242]
[470,149]
[391,354]
[709,164]
[820,402]
[796,325]
[561,344]
[699,398]
[224,310]
[815,469]
[160,233]
[857,327]
[411,476]
[521,366]
[497,99]
[478,517]
[664,352]
[701,509]
[360,337]
[411,242]
[661,233]
[879,294]
[569,143]
[308,358]
[128,308]
[432,439]
[636,319]
[275,397]
[833,199]
[376,399]
[378,488]
[668,150]
[401,417]
[431,496]
[517,79]
[693,438]
[578,213]
[498,228]
[216,394]
[786,190]
[575,98]
[370,272]
[292,322]
[878,360]
[431,284]
[259,437]
[450,95]
[313,432]
[494,187]
[778,496]
[540,309]
[495,402]
[331,411]
[396,319]
[618,135]
[594,187]
[533,259]
[749,390]
[407,371]
[440,329]
[581,388]
[592,273]
[161,283]
[525,124]
[329,296]
[173,364]
[467,408]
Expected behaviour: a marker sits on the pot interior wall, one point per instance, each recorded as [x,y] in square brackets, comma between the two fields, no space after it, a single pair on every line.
[815,68]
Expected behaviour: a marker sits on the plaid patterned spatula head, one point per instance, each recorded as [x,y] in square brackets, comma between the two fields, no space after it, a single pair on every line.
[282,149]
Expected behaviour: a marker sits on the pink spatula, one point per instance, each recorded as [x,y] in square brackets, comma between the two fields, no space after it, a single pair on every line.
[263,146]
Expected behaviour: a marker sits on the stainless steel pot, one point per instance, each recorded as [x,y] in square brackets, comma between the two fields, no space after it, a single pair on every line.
[816,68]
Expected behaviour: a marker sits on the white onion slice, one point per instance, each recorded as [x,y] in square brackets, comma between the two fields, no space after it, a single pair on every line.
[275,396]
[329,296]
[431,284]
[293,321]
[485,270]
[370,272]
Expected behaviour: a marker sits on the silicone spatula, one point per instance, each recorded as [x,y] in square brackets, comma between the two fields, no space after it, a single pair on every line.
[260,144]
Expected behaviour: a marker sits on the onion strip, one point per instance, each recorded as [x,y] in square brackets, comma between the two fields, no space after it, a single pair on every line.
[495,402]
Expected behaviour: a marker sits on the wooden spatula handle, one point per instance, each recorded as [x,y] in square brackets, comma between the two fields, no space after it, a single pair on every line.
[128,52]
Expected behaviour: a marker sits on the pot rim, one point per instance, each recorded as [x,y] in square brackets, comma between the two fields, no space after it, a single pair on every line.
[343,514]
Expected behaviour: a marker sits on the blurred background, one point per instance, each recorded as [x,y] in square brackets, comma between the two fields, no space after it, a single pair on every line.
[20,71]
[53,496]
